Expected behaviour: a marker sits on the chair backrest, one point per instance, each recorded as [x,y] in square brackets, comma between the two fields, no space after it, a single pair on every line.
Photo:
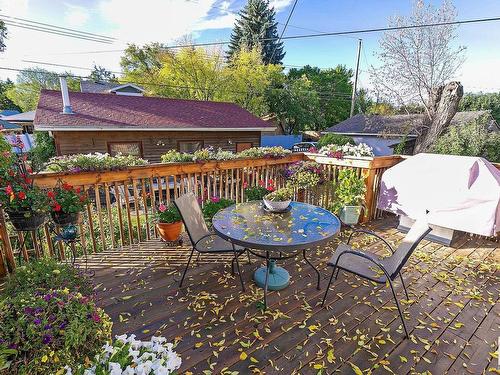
[417,232]
[192,216]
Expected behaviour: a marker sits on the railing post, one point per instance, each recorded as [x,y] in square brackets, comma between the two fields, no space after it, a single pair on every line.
[369,195]
[6,247]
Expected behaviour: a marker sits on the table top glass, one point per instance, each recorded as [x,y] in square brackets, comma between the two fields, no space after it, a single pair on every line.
[303,226]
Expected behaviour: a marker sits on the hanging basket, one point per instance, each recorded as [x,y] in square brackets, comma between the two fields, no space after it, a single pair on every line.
[63,218]
[26,220]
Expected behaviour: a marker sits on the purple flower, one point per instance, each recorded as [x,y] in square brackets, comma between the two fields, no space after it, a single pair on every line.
[63,325]
[13,346]
[37,321]
[46,339]
[47,297]
[47,326]
[29,310]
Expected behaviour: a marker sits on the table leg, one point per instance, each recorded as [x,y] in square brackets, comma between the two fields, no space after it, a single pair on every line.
[314,268]
[266,281]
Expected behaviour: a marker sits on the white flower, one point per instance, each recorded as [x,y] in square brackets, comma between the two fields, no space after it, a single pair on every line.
[114,368]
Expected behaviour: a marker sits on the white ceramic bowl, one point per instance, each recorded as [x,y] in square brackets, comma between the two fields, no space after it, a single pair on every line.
[276,206]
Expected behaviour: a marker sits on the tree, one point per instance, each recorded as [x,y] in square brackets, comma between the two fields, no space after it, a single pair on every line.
[296,106]
[249,79]
[482,101]
[417,65]
[143,65]
[44,149]
[333,87]
[382,108]
[3,35]
[26,90]
[256,28]
[471,139]
[99,73]
[5,102]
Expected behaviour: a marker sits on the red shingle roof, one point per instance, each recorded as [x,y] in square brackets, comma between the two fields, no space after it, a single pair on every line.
[112,112]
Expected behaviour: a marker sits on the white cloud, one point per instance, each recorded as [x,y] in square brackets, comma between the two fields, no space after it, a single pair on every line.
[279,5]
[75,15]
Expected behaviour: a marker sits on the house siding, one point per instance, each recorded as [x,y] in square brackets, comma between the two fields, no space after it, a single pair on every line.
[154,143]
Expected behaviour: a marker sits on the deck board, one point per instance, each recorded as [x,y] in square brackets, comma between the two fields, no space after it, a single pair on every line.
[213,322]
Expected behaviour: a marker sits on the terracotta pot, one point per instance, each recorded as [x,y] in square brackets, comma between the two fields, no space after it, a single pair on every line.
[169,231]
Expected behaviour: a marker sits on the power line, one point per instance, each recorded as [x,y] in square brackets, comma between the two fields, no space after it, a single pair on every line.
[58,27]
[324,34]
[323,95]
[284,29]
[55,32]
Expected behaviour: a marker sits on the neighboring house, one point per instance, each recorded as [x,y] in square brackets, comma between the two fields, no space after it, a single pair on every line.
[383,133]
[144,126]
[24,119]
[111,88]
[8,112]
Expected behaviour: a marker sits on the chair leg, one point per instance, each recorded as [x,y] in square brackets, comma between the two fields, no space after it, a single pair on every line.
[187,266]
[248,257]
[239,271]
[337,275]
[404,286]
[328,286]
[314,268]
[399,308]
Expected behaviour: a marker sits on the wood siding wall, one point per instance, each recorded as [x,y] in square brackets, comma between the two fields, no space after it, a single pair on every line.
[154,143]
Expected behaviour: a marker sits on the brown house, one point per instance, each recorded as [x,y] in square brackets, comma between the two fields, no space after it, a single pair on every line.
[144,126]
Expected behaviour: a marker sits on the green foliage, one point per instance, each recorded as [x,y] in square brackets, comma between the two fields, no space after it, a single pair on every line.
[349,190]
[334,139]
[93,162]
[174,156]
[304,174]
[143,64]
[44,149]
[274,152]
[168,214]
[333,86]
[64,198]
[280,195]
[214,205]
[51,329]
[5,102]
[26,91]
[5,146]
[45,274]
[256,193]
[482,101]
[3,35]
[471,139]
[99,73]
[256,21]
[49,319]
[382,108]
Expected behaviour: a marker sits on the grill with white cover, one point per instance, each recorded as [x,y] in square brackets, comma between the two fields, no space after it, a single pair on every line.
[456,192]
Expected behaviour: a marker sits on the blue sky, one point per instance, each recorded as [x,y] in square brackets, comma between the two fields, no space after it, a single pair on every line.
[209,20]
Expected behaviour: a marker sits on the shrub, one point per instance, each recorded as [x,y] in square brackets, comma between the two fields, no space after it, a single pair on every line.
[471,139]
[275,152]
[93,162]
[334,139]
[214,205]
[360,150]
[131,356]
[174,156]
[280,195]
[45,274]
[45,331]
[256,193]
[349,190]
[5,146]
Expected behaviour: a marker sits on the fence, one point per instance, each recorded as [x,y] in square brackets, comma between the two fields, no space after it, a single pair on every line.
[123,203]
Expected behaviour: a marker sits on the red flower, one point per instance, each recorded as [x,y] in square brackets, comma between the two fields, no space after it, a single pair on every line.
[67,187]
[21,195]
[245,185]
[261,183]
[78,190]
[82,198]
[57,207]
[51,194]
[8,189]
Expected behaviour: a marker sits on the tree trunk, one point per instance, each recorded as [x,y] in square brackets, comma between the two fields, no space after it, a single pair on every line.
[443,104]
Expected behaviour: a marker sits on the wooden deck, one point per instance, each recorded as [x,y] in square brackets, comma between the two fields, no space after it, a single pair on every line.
[453,312]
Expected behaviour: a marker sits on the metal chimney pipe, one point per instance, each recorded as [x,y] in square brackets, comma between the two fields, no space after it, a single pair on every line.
[65,96]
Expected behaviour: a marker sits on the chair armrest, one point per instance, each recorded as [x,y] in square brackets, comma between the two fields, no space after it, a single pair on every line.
[364,231]
[366,256]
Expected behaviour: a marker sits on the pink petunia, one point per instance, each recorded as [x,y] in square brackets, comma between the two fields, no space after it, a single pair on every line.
[215,199]
[162,208]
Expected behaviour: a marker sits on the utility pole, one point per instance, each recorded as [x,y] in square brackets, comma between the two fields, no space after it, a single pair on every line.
[355,86]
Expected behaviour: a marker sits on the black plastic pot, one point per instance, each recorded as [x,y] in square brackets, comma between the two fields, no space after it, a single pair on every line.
[26,220]
[63,218]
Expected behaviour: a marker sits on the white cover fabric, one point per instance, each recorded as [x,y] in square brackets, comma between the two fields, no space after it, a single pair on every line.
[456,192]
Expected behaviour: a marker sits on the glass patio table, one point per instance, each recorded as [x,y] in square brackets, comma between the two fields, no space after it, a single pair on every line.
[276,236]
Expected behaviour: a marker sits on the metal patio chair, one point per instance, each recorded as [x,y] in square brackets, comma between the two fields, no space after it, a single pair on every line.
[370,266]
[204,241]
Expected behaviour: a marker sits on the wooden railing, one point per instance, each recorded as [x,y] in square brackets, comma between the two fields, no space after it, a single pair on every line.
[124,202]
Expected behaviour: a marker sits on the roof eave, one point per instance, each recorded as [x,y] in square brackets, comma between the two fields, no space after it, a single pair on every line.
[137,128]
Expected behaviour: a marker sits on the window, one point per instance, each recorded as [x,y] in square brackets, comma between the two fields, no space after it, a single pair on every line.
[189,146]
[242,146]
[125,148]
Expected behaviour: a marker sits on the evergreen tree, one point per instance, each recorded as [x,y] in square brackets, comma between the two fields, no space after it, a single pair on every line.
[255,23]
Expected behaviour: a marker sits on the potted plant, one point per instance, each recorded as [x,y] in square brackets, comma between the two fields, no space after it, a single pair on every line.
[169,222]
[214,205]
[257,193]
[66,203]
[278,200]
[349,196]
[24,203]
[304,175]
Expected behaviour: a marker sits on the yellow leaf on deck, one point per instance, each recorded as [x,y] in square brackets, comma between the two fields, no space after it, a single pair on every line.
[252,359]
[356,369]
[243,356]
